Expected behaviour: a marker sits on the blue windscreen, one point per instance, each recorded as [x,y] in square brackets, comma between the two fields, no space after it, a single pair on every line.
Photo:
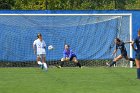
[90,37]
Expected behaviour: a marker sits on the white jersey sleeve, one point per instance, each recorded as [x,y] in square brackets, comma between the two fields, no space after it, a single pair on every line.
[44,44]
[34,43]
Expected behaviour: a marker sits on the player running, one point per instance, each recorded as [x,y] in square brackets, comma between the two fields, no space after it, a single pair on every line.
[69,55]
[137,50]
[120,45]
[40,45]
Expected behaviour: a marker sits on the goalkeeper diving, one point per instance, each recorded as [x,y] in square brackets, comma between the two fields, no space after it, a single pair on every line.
[69,55]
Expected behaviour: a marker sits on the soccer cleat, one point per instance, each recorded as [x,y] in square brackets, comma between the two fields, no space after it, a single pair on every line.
[107,64]
[46,69]
[42,66]
[59,66]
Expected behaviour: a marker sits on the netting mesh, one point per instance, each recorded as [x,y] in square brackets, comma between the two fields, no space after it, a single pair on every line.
[91,37]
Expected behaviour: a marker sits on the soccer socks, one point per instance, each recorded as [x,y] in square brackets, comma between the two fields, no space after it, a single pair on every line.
[138,73]
[39,63]
[78,64]
[45,66]
[131,59]
[112,63]
[62,63]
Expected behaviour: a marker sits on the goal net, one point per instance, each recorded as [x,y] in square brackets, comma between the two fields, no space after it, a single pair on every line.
[91,37]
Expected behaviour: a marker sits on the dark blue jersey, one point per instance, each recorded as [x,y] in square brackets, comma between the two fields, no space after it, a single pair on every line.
[121,46]
[137,42]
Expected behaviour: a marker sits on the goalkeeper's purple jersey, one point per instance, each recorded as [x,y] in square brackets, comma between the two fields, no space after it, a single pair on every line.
[68,53]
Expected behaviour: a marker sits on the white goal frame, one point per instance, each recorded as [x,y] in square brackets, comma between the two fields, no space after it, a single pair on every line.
[103,14]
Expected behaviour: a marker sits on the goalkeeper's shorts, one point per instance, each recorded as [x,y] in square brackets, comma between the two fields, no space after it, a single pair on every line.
[124,54]
[72,56]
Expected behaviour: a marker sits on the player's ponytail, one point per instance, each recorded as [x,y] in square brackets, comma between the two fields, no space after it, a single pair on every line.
[117,39]
[67,45]
[39,34]
[139,32]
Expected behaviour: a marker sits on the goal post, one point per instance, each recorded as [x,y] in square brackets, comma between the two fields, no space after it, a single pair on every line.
[91,36]
[131,35]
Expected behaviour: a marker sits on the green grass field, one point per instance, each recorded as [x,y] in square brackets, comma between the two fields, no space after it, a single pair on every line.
[69,80]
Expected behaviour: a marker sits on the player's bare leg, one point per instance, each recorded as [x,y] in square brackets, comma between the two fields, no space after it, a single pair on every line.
[115,60]
[76,61]
[118,58]
[137,63]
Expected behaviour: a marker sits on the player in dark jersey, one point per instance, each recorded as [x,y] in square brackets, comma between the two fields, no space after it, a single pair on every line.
[137,50]
[69,55]
[120,45]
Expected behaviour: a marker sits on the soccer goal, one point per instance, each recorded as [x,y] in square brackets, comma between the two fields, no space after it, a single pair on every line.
[91,37]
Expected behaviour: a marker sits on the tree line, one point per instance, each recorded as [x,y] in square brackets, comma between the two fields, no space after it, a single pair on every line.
[69,4]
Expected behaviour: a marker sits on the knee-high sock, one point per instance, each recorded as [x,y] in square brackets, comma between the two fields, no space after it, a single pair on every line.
[39,63]
[78,64]
[62,63]
[138,73]
[112,63]
[45,66]
[131,59]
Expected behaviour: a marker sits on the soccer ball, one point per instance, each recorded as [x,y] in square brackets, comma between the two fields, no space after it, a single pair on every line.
[50,47]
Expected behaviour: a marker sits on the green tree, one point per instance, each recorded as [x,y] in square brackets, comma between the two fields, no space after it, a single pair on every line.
[69,4]
[120,4]
[7,4]
[30,4]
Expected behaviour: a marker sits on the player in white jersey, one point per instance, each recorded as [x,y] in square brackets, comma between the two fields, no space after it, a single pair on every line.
[39,47]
